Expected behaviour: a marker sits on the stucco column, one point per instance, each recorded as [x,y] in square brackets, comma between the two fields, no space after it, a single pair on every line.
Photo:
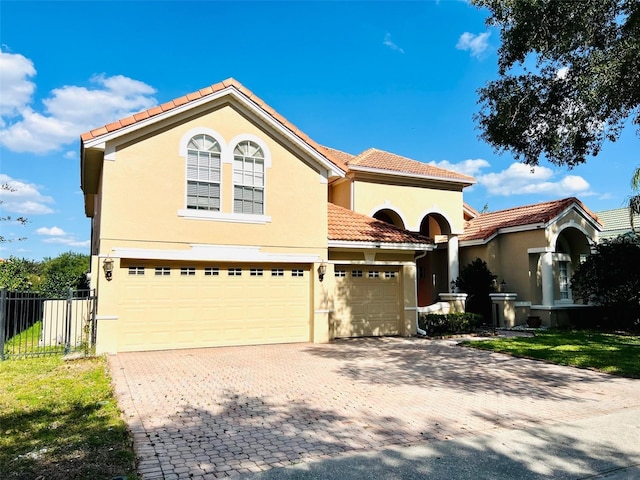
[454,261]
[546,265]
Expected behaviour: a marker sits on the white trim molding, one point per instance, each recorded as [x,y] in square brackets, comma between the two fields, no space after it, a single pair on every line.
[184,141]
[198,252]
[387,205]
[210,215]
[381,245]
[227,155]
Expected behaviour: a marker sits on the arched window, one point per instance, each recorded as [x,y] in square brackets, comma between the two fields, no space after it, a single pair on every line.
[248,178]
[203,173]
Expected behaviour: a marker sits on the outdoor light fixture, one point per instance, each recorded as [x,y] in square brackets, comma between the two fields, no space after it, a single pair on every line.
[107,266]
[322,269]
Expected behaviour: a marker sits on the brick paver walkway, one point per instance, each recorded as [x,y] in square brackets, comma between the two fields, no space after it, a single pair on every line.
[212,413]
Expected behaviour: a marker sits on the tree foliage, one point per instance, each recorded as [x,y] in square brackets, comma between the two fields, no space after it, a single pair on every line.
[19,274]
[52,277]
[477,281]
[5,187]
[66,271]
[634,200]
[569,77]
[610,278]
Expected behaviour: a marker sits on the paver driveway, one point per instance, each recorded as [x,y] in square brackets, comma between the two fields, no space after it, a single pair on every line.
[216,412]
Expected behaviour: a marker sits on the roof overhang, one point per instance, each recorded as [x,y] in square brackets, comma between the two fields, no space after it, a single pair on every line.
[229,92]
[412,176]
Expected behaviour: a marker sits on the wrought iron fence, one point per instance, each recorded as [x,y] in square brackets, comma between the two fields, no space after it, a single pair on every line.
[35,325]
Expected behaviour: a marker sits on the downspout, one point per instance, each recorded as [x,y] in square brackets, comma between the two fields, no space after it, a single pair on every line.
[418,329]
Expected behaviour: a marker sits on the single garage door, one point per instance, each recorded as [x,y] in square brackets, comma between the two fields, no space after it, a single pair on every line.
[166,306]
[367,301]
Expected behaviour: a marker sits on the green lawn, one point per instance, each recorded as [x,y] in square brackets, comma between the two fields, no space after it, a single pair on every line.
[59,420]
[609,353]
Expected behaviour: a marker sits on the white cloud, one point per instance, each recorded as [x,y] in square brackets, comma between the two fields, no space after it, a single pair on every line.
[475,44]
[16,90]
[467,167]
[388,43]
[521,179]
[68,111]
[23,198]
[72,242]
[53,231]
[71,154]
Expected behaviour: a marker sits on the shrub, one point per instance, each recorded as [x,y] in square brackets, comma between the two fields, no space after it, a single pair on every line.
[449,323]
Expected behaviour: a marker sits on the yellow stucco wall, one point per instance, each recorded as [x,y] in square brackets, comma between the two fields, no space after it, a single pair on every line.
[410,202]
[340,193]
[144,188]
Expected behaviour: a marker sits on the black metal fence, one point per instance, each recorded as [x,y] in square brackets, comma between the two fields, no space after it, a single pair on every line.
[35,325]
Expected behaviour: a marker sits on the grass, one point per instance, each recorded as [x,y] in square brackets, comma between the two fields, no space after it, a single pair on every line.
[26,343]
[59,420]
[608,353]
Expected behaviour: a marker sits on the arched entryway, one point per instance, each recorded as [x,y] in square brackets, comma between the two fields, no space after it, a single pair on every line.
[389,216]
[433,268]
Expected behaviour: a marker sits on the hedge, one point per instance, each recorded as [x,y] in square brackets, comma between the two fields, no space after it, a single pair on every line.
[450,323]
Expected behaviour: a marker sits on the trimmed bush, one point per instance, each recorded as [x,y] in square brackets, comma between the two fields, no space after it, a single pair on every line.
[449,323]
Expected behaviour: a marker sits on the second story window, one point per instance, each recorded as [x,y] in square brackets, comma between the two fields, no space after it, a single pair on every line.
[203,173]
[248,178]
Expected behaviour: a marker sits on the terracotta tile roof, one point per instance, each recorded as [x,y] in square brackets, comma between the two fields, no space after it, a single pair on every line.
[379,159]
[485,225]
[347,225]
[191,97]
[344,157]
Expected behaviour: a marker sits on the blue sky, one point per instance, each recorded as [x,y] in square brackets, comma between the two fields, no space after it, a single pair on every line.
[398,76]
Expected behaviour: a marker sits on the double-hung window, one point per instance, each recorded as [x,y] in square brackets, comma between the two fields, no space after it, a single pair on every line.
[248,178]
[203,173]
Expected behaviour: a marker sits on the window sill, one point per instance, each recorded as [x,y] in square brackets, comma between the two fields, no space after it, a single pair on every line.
[223,217]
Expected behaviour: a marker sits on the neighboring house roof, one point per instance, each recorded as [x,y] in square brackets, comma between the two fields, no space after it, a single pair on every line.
[202,94]
[486,225]
[349,226]
[379,160]
[616,222]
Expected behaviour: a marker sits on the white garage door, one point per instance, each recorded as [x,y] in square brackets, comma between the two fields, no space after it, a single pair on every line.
[166,306]
[367,301]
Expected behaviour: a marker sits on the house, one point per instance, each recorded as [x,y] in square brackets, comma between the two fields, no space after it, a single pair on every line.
[215,221]
[616,222]
[534,250]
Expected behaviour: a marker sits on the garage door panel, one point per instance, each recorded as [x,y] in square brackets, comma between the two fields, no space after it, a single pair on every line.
[185,311]
[367,305]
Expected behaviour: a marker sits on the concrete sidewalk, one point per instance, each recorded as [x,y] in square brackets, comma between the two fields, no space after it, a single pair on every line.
[606,446]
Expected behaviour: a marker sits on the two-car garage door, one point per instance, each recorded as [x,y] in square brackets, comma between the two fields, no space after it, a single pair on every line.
[166,306]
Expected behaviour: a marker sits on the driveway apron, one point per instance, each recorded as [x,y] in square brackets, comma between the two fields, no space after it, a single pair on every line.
[218,412]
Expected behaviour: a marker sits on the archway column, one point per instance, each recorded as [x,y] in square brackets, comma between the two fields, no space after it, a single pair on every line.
[454,259]
[546,265]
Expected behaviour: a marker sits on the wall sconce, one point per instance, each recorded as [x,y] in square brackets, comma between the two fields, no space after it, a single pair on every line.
[322,269]
[107,266]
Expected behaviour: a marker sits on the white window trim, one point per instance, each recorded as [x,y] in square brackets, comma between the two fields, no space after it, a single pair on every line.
[267,164]
[223,217]
[227,154]
[183,151]
[184,141]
